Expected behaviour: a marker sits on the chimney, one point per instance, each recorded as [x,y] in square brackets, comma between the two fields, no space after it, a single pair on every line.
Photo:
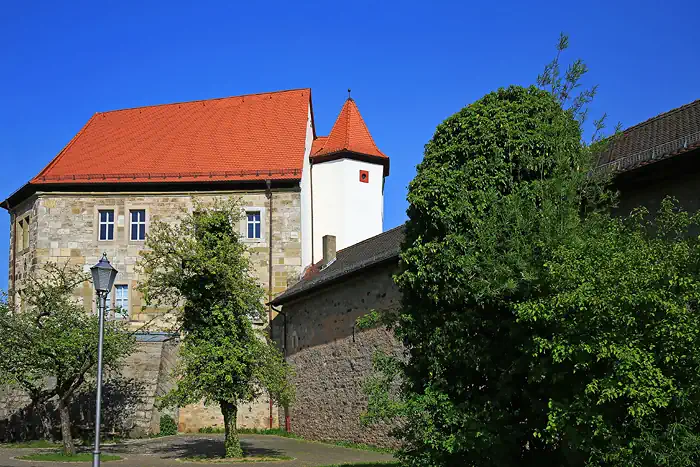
[328,249]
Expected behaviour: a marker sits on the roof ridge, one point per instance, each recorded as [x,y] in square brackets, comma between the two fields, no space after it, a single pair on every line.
[205,100]
[661,115]
[400,226]
[347,120]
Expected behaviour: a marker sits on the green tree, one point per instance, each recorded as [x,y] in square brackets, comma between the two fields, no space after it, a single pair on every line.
[615,342]
[53,337]
[566,88]
[200,269]
[501,184]
[539,329]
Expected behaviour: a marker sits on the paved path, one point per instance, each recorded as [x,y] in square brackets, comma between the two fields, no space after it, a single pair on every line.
[165,451]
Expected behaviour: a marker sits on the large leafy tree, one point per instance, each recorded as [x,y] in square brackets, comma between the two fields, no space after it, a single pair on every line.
[540,330]
[52,337]
[199,268]
[501,184]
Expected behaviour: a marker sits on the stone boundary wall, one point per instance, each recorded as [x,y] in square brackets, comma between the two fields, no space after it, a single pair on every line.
[128,402]
[332,359]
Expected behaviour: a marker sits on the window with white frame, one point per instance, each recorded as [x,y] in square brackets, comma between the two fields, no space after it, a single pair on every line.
[121,302]
[253,224]
[138,224]
[106,224]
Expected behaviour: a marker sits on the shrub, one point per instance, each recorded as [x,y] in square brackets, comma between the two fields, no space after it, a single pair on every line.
[168,426]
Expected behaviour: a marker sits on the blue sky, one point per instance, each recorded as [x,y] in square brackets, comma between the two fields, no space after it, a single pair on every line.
[410,65]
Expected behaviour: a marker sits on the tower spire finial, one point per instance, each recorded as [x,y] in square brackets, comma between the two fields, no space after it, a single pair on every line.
[349,97]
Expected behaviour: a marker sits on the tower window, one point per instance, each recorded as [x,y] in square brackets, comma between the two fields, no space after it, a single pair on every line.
[22,233]
[364,176]
[25,233]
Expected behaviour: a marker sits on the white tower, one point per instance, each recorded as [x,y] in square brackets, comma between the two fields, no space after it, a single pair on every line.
[346,178]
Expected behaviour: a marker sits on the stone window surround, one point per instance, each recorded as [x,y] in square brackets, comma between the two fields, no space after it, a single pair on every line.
[136,207]
[244,224]
[127,208]
[254,223]
[99,208]
[22,232]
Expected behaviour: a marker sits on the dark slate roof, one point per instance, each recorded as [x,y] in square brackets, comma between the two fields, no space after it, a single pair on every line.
[668,134]
[370,252]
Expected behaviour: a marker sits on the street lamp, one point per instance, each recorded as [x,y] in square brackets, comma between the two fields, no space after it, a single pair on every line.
[103,275]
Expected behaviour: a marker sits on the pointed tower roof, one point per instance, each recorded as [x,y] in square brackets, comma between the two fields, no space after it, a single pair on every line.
[349,138]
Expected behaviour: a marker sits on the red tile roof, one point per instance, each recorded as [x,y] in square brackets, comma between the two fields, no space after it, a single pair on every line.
[257,136]
[318,143]
[350,134]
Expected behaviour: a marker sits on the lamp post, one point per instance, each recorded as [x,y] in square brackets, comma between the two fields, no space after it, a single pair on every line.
[103,275]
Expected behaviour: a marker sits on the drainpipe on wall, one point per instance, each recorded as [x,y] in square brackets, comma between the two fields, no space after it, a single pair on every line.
[269,271]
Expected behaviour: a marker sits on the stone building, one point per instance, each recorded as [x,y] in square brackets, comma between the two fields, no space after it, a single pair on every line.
[316,327]
[127,168]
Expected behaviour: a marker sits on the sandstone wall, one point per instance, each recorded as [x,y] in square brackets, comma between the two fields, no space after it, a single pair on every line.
[21,258]
[128,398]
[149,366]
[252,415]
[332,359]
[63,228]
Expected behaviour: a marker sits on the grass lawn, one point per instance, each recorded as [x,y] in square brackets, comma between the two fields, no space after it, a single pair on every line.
[366,464]
[231,460]
[34,444]
[60,457]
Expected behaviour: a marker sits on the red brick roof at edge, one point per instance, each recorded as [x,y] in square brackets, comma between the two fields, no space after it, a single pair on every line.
[250,137]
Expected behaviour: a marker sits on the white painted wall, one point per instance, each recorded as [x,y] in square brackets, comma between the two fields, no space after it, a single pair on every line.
[305,186]
[345,207]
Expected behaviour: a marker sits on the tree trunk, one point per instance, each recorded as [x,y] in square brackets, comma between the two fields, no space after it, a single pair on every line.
[64,410]
[232,444]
